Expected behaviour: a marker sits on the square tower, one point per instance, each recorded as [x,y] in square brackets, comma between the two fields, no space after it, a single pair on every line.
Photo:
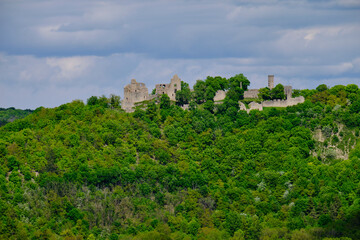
[271,81]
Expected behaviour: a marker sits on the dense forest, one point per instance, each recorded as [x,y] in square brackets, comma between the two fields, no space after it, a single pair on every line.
[10,114]
[92,171]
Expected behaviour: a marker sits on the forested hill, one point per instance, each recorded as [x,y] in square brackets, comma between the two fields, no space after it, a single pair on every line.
[92,171]
[11,114]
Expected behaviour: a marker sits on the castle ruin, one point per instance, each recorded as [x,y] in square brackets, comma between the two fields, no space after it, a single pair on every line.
[133,93]
[169,89]
[253,93]
[270,81]
[137,92]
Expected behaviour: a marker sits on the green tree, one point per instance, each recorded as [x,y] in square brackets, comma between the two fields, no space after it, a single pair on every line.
[321,88]
[164,101]
[199,91]
[265,93]
[277,92]
[151,110]
[93,100]
[114,101]
[183,96]
[237,85]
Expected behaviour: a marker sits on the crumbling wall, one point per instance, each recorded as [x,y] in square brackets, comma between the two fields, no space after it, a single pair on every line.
[133,93]
[295,101]
[255,106]
[169,89]
[251,93]
[242,106]
[283,103]
[220,95]
[272,103]
[288,91]
[275,103]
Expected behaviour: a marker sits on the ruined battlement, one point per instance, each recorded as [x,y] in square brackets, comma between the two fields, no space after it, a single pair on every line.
[272,103]
[136,92]
[169,89]
[251,93]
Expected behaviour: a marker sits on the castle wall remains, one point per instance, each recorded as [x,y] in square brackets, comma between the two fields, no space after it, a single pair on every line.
[283,103]
[169,89]
[242,106]
[288,91]
[219,95]
[136,92]
[255,105]
[251,93]
[133,93]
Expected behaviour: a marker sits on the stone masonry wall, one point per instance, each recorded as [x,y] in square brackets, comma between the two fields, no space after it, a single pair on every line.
[251,93]
[169,89]
[133,93]
[272,103]
[219,95]
[283,103]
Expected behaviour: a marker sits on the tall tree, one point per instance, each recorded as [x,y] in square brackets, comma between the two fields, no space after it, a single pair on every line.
[164,101]
[277,92]
[183,96]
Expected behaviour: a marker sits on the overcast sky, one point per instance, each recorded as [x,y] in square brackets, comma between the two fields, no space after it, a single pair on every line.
[52,52]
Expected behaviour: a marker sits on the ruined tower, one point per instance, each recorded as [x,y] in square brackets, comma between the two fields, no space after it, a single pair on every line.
[288,91]
[169,89]
[271,81]
[133,93]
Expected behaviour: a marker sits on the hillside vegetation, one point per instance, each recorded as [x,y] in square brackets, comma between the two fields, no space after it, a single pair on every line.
[11,114]
[92,171]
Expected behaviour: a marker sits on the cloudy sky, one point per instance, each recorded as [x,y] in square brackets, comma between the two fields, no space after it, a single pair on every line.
[52,52]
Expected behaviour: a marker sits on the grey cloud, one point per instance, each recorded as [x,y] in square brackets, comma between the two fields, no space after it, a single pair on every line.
[55,81]
[56,51]
[159,28]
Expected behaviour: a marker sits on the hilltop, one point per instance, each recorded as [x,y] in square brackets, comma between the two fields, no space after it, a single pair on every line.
[93,171]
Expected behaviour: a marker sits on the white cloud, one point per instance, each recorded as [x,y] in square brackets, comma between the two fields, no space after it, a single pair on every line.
[63,50]
[71,67]
[50,82]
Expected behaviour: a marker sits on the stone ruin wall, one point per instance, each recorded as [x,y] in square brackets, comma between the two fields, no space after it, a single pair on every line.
[169,89]
[255,105]
[251,93]
[252,106]
[272,103]
[219,95]
[288,91]
[283,103]
[133,93]
[136,92]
